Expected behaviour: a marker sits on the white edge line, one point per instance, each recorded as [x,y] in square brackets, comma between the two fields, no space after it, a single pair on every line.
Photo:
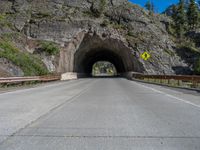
[168,95]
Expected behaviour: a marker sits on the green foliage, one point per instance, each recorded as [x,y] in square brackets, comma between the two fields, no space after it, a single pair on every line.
[180,18]
[192,14]
[150,7]
[49,47]
[102,6]
[197,66]
[104,67]
[30,65]
[2,17]
[188,45]
[105,23]
[130,33]
[97,12]
[185,22]
[118,26]
[88,13]
[4,22]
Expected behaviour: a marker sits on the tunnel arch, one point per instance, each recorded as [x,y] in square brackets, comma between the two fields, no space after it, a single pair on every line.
[94,48]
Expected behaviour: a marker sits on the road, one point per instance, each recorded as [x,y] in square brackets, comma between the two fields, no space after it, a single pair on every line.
[100,114]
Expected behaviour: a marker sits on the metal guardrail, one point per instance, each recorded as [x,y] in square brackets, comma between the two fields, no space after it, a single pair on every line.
[13,80]
[193,80]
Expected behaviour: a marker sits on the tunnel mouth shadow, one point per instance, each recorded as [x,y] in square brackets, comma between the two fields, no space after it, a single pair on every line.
[106,77]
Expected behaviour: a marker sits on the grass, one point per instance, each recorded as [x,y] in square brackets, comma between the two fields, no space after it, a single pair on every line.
[31,65]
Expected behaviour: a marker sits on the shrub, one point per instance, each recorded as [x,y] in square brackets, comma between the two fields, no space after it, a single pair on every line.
[102,5]
[97,12]
[49,47]
[105,23]
[130,33]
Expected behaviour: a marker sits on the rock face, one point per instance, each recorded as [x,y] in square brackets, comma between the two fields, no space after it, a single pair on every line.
[96,30]
[7,68]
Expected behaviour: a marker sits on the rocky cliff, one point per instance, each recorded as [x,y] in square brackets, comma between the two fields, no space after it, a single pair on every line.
[78,27]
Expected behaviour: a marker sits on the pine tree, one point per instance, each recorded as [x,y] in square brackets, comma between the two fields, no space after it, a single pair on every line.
[174,12]
[193,14]
[150,6]
[180,19]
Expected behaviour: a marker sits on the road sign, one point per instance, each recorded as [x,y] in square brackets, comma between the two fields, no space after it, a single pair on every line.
[145,56]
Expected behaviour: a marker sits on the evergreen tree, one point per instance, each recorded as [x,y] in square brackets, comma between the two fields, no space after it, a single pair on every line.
[150,6]
[180,19]
[193,14]
[174,12]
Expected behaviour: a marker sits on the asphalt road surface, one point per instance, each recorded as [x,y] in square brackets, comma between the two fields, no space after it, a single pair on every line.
[100,114]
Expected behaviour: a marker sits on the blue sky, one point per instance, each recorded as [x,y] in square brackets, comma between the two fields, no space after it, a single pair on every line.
[160,5]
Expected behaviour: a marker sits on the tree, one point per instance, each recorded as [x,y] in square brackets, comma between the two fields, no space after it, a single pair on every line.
[174,12]
[150,6]
[193,14]
[180,18]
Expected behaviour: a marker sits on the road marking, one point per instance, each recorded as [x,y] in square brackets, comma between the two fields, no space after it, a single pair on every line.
[168,95]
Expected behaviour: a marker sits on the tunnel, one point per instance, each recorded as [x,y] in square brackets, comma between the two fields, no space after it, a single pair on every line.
[94,48]
[85,63]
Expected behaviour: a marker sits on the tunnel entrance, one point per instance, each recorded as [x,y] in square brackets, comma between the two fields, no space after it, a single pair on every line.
[94,48]
[104,69]
[86,62]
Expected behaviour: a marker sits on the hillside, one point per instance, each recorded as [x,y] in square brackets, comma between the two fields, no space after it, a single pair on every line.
[39,37]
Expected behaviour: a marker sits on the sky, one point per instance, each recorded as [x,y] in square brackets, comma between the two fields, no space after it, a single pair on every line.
[160,5]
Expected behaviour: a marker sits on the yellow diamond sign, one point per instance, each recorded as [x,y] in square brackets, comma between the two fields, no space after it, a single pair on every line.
[145,56]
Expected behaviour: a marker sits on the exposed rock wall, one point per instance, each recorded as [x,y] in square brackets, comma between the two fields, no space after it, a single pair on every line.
[7,68]
[84,25]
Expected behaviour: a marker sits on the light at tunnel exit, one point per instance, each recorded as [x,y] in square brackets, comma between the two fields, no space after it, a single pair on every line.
[103,68]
